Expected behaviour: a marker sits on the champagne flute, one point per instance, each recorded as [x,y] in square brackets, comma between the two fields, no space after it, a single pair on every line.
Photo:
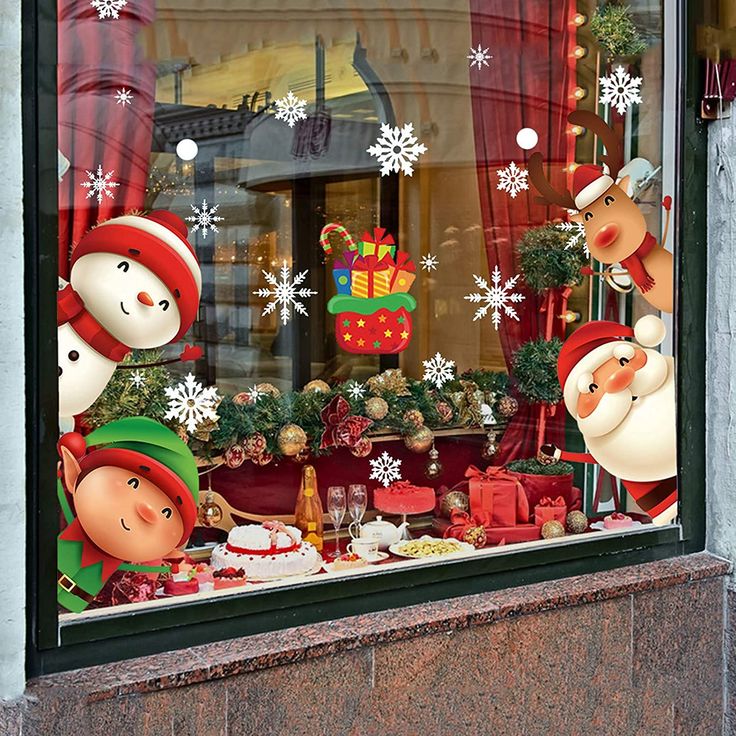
[336,507]
[357,504]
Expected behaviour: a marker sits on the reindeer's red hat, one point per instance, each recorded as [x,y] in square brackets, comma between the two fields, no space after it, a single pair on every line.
[589,182]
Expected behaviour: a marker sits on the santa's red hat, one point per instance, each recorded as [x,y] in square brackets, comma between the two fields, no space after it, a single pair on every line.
[159,242]
[589,182]
[593,344]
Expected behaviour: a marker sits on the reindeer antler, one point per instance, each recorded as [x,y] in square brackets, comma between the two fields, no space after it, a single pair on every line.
[550,195]
[614,156]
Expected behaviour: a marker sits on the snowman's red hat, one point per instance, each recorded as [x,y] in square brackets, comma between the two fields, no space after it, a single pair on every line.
[589,182]
[159,242]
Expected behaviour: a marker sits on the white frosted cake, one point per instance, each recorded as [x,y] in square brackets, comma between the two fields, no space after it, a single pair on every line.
[266,551]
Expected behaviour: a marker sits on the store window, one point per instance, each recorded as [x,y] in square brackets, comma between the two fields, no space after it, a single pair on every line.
[352,293]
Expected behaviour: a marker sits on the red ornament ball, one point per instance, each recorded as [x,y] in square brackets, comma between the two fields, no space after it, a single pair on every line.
[362,448]
[234,456]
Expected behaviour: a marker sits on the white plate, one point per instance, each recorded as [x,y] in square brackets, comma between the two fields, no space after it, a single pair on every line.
[600,527]
[395,549]
[329,566]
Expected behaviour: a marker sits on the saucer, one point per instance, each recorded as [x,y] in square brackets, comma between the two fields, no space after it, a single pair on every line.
[378,557]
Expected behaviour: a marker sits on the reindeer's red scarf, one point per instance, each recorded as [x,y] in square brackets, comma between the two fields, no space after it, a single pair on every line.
[634,265]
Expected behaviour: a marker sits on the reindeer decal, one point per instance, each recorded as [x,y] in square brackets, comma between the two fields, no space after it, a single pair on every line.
[615,228]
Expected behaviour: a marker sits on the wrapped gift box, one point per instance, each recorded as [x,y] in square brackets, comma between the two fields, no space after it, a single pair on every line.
[550,509]
[498,494]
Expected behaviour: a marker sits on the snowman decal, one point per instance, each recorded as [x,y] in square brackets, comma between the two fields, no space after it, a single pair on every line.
[135,283]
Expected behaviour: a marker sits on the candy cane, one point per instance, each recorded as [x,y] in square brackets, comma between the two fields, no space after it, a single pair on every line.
[336,227]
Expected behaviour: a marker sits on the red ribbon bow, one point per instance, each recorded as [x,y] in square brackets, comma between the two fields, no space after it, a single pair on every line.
[341,430]
[547,501]
[491,472]
[379,237]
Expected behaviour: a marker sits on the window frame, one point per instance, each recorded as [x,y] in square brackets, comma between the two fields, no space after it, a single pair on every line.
[51,648]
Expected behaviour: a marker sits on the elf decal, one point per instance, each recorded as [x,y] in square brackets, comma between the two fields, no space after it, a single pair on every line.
[134,502]
[135,283]
[615,229]
[622,395]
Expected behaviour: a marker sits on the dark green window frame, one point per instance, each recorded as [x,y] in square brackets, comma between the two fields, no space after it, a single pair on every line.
[112,637]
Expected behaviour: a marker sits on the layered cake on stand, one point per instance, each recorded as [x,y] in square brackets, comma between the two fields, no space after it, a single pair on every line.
[404,498]
[266,551]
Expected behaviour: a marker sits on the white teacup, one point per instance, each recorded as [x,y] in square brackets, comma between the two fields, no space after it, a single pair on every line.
[365,547]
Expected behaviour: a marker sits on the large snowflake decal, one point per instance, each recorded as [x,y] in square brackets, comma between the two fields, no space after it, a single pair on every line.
[385,469]
[575,235]
[620,90]
[108,8]
[100,184]
[290,109]
[512,179]
[355,390]
[123,97]
[137,378]
[429,262]
[495,298]
[396,149]
[285,293]
[479,57]
[438,370]
[190,403]
[205,218]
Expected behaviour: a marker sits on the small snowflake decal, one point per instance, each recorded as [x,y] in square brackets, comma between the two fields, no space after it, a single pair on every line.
[108,8]
[429,263]
[495,298]
[100,184]
[355,390]
[190,403]
[254,394]
[479,57]
[290,109]
[124,97]
[512,179]
[620,90]
[205,218]
[137,378]
[285,293]
[396,149]
[575,235]
[385,469]
[438,370]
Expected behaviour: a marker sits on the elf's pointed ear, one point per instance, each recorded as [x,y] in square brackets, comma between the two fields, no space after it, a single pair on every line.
[70,468]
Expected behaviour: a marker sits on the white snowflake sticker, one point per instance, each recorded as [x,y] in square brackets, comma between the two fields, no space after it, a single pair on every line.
[512,179]
[438,370]
[205,218]
[290,109]
[620,90]
[190,403]
[108,8]
[355,390]
[429,262]
[100,184]
[385,469]
[495,298]
[479,57]
[285,293]
[123,97]
[137,378]
[575,235]
[396,149]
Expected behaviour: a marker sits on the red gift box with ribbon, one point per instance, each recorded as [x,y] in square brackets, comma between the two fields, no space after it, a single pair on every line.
[370,277]
[550,509]
[499,494]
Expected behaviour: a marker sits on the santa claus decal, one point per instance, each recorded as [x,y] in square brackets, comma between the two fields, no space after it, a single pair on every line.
[135,283]
[622,395]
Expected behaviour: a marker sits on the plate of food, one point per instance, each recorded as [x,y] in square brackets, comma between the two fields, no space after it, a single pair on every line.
[351,561]
[430,547]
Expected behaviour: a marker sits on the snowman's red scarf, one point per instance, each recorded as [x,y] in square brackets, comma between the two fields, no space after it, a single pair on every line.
[70,310]
[633,264]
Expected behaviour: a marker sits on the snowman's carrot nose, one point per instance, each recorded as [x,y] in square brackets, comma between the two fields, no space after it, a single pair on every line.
[145,298]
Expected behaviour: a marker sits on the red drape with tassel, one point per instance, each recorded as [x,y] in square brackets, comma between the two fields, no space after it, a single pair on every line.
[528,84]
[98,57]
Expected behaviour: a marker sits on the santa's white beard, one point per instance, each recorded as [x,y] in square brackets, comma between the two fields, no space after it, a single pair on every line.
[643,446]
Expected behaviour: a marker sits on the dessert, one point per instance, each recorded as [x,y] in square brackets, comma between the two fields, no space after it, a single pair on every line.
[201,572]
[180,583]
[617,520]
[228,577]
[266,551]
[348,561]
[429,547]
[404,497]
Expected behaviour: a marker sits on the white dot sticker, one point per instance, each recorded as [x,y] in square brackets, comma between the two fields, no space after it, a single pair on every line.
[186,149]
[527,138]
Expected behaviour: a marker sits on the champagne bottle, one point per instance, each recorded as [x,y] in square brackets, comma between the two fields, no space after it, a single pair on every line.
[308,509]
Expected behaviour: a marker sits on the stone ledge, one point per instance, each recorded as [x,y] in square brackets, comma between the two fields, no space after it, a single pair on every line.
[262,651]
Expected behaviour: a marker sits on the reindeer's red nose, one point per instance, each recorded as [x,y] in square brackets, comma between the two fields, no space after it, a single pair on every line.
[606,235]
[145,298]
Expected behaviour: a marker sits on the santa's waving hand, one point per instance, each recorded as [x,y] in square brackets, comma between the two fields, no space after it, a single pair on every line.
[622,395]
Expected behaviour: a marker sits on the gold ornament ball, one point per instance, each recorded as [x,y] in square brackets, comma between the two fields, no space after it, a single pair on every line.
[376,408]
[362,448]
[433,468]
[414,416]
[552,530]
[454,500]
[475,535]
[577,522]
[210,513]
[268,388]
[292,440]
[420,440]
[321,387]
[508,406]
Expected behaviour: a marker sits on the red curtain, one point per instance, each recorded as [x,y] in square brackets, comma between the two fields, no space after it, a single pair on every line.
[98,57]
[528,84]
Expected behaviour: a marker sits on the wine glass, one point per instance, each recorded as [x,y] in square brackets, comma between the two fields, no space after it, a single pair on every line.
[336,509]
[357,504]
